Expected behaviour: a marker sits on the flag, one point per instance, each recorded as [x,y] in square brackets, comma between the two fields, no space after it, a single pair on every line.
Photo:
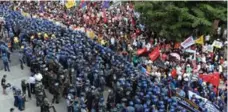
[90,34]
[141,51]
[200,40]
[211,78]
[154,54]
[70,3]
[188,42]
[106,4]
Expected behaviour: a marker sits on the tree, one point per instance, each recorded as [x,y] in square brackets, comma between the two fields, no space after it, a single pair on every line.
[177,20]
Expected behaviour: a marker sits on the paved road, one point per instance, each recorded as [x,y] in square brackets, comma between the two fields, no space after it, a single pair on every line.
[14,60]
[14,77]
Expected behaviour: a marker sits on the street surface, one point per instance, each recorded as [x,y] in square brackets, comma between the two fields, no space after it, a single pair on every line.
[14,77]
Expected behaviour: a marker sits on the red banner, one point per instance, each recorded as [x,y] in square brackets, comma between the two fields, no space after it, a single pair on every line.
[211,78]
[141,51]
[154,54]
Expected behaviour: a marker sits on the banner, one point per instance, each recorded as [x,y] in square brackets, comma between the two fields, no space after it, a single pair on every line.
[141,51]
[185,104]
[83,4]
[188,104]
[213,78]
[25,14]
[70,3]
[191,51]
[190,94]
[210,107]
[200,40]
[155,53]
[188,42]
[210,48]
[217,44]
[105,19]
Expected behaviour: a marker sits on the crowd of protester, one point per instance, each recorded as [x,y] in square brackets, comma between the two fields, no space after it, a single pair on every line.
[116,30]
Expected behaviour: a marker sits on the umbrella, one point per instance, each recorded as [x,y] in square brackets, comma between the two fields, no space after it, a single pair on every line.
[177,56]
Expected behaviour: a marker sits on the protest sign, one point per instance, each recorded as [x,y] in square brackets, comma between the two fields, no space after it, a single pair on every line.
[213,78]
[190,94]
[188,42]
[188,104]
[210,107]
[217,44]
[159,63]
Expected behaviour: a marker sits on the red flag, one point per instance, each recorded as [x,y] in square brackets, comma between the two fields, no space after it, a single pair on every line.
[211,78]
[141,51]
[174,73]
[154,54]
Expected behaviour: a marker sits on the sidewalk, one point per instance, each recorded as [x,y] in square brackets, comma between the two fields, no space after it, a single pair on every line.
[14,78]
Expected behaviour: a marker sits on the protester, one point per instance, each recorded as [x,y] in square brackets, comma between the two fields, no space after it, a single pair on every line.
[3,84]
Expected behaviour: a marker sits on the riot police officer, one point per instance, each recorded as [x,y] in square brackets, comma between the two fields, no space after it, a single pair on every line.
[56,93]
[45,106]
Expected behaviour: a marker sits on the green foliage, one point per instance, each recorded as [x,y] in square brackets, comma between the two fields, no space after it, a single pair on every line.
[177,20]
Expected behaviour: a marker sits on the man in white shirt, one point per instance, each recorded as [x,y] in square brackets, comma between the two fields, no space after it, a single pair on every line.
[113,41]
[32,82]
[148,46]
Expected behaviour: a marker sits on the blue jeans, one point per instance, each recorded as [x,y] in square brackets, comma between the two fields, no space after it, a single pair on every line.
[16,101]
